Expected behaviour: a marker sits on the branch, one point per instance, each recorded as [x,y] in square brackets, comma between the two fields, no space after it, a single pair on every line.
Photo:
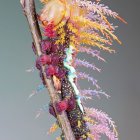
[28,7]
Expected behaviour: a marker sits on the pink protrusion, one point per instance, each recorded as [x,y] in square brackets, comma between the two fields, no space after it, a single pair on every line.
[54,48]
[55,59]
[51,70]
[61,73]
[46,45]
[48,30]
[38,64]
[45,59]
[61,106]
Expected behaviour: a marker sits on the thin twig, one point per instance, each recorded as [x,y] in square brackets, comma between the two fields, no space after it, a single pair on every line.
[28,7]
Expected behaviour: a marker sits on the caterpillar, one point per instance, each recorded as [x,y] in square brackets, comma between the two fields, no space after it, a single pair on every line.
[71,27]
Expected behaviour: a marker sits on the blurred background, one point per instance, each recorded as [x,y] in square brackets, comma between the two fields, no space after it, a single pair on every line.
[119,77]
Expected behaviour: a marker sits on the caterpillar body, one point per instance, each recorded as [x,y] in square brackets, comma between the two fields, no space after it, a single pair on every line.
[70,27]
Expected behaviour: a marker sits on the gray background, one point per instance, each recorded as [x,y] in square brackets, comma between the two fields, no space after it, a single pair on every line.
[119,77]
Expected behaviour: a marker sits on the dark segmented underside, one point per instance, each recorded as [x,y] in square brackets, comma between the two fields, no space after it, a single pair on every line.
[75,116]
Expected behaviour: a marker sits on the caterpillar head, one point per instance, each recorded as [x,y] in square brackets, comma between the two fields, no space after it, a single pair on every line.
[53,11]
[58,10]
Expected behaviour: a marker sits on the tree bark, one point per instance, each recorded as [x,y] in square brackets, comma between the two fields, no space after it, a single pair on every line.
[28,7]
